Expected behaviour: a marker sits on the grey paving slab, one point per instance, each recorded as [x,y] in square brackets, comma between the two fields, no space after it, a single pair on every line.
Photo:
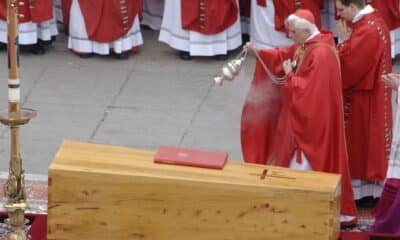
[59,121]
[30,74]
[164,91]
[36,154]
[142,128]
[216,125]
[76,84]
[41,138]
[158,57]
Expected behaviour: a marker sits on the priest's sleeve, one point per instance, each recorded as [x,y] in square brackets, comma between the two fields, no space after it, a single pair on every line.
[261,108]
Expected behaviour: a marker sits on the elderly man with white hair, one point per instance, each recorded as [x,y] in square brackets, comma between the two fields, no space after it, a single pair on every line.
[293,115]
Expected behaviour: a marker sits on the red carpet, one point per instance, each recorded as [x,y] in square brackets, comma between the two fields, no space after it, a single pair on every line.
[37,226]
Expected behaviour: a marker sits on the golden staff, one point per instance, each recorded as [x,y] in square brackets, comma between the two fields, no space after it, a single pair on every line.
[14,188]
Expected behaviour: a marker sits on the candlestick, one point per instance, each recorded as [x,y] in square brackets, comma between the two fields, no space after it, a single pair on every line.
[14,188]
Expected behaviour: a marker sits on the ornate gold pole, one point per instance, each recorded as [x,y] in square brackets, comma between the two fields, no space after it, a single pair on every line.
[14,188]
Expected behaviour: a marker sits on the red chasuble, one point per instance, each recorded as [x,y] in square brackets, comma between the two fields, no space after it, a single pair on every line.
[389,10]
[305,113]
[283,8]
[106,20]
[368,111]
[208,16]
[32,10]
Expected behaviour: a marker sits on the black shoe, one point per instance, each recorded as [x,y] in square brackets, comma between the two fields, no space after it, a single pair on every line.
[38,49]
[45,43]
[185,55]
[245,38]
[366,202]
[221,57]
[85,55]
[3,47]
[122,56]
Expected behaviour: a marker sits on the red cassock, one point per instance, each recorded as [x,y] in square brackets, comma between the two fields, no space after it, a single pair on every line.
[105,20]
[245,8]
[390,12]
[208,16]
[283,8]
[305,113]
[368,111]
[32,11]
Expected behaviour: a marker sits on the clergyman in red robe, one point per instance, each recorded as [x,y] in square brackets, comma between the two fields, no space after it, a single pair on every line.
[201,27]
[103,26]
[364,50]
[37,25]
[293,117]
[389,10]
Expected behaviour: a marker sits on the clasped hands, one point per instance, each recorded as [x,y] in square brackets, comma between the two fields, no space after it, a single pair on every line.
[343,31]
[392,80]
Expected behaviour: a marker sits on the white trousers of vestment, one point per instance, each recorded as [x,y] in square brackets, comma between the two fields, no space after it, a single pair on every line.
[362,188]
[58,11]
[245,25]
[394,160]
[78,40]
[262,27]
[395,42]
[305,165]
[152,14]
[195,43]
[30,33]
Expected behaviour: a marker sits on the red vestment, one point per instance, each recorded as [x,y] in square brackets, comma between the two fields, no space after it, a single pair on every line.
[208,16]
[389,10]
[106,20]
[245,8]
[32,11]
[364,57]
[304,113]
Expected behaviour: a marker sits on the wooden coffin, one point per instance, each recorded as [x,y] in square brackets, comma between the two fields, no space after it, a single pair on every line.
[107,192]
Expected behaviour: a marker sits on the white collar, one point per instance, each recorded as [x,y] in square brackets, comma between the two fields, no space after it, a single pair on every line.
[366,10]
[312,36]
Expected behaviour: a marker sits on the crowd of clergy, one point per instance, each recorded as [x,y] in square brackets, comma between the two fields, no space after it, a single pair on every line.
[324,67]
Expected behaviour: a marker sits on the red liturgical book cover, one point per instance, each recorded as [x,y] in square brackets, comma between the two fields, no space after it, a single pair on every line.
[191,157]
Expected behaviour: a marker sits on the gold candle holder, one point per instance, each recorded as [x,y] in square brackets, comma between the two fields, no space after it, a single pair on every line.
[14,188]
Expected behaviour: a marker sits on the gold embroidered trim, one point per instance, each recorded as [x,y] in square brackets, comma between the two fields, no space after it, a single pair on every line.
[124,13]
[387,95]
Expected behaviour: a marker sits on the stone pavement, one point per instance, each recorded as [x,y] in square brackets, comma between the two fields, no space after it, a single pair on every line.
[152,98]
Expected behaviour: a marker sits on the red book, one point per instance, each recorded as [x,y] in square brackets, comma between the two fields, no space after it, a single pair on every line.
[191,157]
